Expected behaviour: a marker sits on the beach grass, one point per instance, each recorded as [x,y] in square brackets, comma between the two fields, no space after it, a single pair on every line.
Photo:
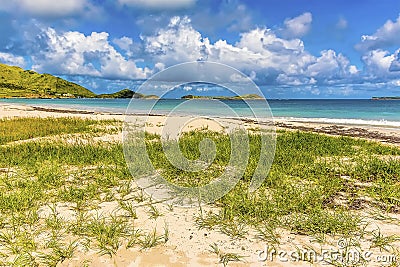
[316,186]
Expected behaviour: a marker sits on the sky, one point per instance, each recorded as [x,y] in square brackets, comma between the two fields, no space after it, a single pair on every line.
[290,48]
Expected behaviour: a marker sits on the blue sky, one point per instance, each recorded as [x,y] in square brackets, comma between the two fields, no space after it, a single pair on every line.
[290,48]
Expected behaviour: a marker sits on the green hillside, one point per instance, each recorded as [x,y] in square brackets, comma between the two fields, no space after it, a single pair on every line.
[126,93]
[246,97]
[16,82]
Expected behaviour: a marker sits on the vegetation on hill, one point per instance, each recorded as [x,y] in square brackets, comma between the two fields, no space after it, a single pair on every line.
[386,98]
[16,82]
[126,93]
[247,96]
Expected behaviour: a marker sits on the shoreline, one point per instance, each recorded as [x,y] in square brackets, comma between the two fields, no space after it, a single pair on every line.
[382,133]
[82,108]
[186,244]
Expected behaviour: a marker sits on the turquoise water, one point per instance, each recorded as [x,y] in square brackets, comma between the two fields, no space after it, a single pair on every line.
[365,111]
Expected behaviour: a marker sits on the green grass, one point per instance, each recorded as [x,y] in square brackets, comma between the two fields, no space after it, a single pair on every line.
[225,258]
[311,189]
[304,181]
[16,82]
[26,128]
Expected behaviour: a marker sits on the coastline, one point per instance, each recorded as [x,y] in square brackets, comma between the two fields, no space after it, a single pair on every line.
[382,132]
[188,245]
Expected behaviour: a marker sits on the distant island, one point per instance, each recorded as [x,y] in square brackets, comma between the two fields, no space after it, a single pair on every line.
[127,93]
[20,83]
[386,98]
[242,97]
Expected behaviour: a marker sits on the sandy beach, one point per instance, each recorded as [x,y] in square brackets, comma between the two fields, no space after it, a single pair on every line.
[385,134]
[189,246]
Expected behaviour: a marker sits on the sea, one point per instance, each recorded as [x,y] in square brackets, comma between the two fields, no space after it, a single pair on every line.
[340,111]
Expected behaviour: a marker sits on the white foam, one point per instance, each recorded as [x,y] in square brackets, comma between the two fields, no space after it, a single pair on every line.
[381,123]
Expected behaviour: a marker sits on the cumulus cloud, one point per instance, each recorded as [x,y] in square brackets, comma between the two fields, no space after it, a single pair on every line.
[380,64]
[395,65]
[386,36]
[377,62]
[267,56]
[124,43]
[74,53]
[13,60]
[298,26]
[158,4]
[258,48]
[262,51]
[177,43]
[330,66]
[49,8]
[353,70]
[259,52]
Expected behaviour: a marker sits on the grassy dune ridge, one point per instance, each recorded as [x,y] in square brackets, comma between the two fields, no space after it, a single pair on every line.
[16,82]
[317,186]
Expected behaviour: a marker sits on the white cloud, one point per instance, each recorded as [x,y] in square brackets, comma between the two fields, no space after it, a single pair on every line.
[341,24]
[298,26]
[395,65]
[158,67]
[187,88]
[380,64]
[259,53]
[51,7]
[177,43]
[13,60]
[315,91]
[386,36]
[241,19]
[237,78]
[396,83]
[45,7]
[124,43]
[329,66]
[74,53]
[353,70]
[230,15]
[260,49]
[158,4]
[377,62]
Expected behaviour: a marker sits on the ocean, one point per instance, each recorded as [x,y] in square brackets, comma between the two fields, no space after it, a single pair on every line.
[343,111]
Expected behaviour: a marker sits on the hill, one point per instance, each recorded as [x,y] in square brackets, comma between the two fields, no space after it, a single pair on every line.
[385,98]
[16,82]
[246,97]
[126,93]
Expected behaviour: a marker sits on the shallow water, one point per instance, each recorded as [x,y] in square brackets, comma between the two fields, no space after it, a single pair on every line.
[348,111]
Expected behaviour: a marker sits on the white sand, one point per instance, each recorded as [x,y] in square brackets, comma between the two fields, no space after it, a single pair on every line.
[188,246]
